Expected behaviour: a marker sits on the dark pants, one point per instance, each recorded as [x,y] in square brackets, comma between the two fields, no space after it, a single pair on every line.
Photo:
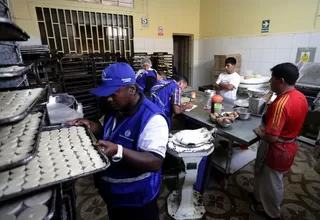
[149,211]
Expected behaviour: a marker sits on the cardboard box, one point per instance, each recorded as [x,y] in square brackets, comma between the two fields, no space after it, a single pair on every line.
[219,60]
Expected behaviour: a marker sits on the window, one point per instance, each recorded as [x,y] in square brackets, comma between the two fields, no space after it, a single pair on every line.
[121,3]
[71,31]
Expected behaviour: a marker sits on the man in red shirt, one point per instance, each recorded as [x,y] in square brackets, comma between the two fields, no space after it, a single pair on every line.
[281,125]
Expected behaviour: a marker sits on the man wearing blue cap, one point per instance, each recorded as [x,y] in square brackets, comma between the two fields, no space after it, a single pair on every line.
[135,138]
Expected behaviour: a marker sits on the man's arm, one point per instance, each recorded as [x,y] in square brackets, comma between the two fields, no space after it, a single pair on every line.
[182,108]
[177,106]
[222,86]
[235,81]
[217,86]
[153,145]
[275,123]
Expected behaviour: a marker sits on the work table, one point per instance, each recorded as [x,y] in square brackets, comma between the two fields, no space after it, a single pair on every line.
[241,131]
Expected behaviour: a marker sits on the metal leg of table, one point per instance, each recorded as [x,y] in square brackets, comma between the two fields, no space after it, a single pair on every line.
[206,173]
[228,164]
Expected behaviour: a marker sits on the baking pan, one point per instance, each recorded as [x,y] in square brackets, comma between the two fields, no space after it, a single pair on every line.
[33,152]
[11,32]
[55,182]
[89,133]
[25,113]
[20,72]
[51,203]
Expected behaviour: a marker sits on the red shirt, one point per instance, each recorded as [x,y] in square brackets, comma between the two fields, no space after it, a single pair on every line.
[284,118]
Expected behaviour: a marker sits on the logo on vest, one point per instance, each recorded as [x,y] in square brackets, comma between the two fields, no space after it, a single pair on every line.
[127,133]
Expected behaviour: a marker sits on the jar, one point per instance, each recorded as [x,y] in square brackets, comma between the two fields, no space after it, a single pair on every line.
[193,95]
[216,104]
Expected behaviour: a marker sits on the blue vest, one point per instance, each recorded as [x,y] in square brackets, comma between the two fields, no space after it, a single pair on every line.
[127,187]
[165,96]
[141,79]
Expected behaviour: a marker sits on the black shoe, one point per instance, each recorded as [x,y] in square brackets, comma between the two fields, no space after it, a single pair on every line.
[258,209]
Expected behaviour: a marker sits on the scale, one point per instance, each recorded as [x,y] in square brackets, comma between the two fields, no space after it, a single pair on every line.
[191,146]
[257,100]
[252,83]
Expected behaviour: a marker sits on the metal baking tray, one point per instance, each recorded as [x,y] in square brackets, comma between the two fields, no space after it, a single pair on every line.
[21,72]
[33,152]
[11,32]
[51,203]
[55,182]
[25,113]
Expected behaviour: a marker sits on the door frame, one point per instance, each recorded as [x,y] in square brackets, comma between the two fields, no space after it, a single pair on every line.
[191,55]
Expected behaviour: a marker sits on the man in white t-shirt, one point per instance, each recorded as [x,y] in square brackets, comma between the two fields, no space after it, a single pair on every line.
[229,81]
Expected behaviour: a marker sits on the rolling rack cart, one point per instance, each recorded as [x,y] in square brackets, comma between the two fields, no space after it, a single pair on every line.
[99,63]
[78,78]
[45,64]
[136,60]
[163,62]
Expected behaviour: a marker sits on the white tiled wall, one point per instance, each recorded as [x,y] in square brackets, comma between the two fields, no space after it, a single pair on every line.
[151,45]
[259,53]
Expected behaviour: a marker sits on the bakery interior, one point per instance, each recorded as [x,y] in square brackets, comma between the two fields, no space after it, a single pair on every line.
[53,54]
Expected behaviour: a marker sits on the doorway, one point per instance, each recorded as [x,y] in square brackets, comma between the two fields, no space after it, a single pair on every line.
[182,55]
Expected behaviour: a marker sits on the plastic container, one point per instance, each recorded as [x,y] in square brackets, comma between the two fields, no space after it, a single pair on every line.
[216,104]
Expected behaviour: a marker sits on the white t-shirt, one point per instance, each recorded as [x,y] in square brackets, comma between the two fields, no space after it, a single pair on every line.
[233,79]
[154,137]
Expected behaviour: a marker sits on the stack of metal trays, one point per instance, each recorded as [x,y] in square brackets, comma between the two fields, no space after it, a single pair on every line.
[14,71]
[34,49]
[136,60]
[39,205]
[65,153]
[11,32]
[163,62]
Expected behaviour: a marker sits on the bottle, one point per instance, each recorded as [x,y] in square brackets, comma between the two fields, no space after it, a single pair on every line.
[216,104]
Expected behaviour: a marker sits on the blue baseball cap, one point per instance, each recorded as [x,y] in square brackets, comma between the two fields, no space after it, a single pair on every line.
[114,77]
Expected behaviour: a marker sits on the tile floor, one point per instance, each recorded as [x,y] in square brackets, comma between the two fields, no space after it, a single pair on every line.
[301,200]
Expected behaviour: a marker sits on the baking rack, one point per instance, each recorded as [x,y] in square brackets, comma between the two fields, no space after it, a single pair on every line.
[163,62]
[136,60]
[78,78]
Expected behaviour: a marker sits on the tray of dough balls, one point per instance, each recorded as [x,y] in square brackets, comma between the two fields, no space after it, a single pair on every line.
[36,206]
[19,142]
[64,153]
[16,103]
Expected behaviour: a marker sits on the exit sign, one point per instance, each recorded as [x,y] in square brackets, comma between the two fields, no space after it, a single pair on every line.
[265,25]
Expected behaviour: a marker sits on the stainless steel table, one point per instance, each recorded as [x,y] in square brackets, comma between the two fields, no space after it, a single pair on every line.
[240,131]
